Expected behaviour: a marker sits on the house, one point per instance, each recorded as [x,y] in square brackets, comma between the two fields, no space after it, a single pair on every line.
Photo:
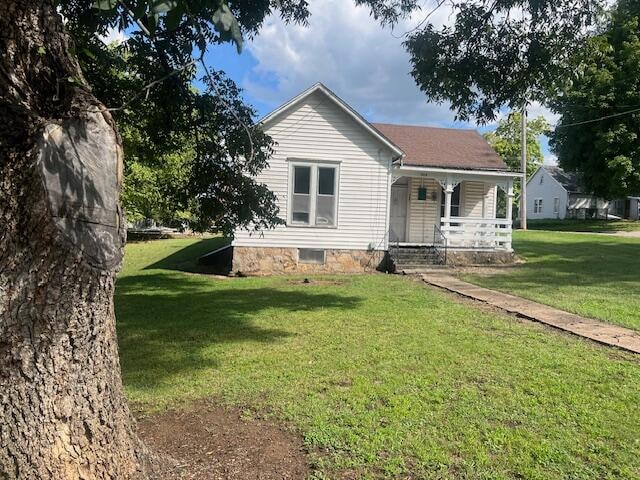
[628,207]
[554,193]
[352,192]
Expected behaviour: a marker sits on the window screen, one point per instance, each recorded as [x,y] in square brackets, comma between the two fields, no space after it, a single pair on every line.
[309,255]
[326,199]
[301,194]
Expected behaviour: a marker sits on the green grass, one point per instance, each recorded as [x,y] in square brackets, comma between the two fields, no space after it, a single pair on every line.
[381,375]
[593,226]
[592,275]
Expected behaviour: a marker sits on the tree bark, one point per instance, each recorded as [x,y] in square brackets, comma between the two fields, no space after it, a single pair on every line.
[63,414]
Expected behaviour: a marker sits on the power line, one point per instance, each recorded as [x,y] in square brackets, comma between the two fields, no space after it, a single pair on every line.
[597,119]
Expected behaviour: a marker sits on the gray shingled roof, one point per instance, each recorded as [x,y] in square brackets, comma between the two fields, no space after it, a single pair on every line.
[569,180]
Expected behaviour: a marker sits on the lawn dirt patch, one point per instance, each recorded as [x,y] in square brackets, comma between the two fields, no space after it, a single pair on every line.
[208,441]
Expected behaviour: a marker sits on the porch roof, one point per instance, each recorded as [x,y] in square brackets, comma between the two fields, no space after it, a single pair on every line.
[459,173]
[442,147]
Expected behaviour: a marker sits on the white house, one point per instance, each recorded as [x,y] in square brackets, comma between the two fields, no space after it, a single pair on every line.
[350,192]
[554,193]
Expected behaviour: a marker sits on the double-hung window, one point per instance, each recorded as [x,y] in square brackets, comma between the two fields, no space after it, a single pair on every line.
[314,194]
[537,205]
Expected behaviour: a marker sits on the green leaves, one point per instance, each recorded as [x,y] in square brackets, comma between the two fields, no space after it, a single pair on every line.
[597,133]
[105,4]
[227,25]
[173,18]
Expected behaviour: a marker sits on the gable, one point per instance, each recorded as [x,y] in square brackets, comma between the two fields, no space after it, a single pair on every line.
[319,98]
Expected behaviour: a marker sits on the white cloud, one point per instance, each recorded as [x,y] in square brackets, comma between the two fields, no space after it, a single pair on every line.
[348,51]
[536,110]
[113,35]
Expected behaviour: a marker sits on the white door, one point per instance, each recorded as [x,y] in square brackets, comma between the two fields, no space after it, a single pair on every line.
[398,214]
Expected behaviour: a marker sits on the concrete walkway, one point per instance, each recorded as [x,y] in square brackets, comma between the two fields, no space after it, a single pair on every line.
[585,327]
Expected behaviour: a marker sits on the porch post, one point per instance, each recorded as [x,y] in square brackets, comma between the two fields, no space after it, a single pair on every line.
[447,202]
[510,196]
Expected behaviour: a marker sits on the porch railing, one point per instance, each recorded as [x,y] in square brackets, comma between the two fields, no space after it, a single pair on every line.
[440,244]
[480,233]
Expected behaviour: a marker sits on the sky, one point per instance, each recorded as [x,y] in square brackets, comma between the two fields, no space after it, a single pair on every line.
[347,50]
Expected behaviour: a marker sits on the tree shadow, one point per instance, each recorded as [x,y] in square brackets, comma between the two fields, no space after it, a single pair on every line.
[186,259]
[170,325]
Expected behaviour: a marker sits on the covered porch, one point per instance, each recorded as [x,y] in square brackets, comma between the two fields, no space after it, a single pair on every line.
[452,208]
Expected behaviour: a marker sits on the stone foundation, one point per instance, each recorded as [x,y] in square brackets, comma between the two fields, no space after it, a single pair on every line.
[475,257]
[276,261]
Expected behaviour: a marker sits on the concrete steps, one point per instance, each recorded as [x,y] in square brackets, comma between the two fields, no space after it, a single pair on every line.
[414,259]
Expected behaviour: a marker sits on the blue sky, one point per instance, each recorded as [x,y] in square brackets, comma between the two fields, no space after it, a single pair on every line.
[343,47]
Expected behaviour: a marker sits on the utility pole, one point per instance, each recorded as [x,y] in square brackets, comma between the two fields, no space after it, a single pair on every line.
[523,167]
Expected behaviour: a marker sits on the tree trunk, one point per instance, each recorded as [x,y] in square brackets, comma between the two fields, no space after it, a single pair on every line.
[62,410]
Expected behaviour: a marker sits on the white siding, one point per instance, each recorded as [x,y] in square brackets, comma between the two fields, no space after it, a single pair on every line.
[578,200]
[548,190]
[478,200]
[317,129]
[423,215]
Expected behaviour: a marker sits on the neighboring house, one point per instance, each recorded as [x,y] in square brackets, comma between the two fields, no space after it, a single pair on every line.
[628,208]
[554,193]
[350,191]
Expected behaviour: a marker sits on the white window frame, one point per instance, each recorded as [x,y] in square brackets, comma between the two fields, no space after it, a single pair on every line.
[537,205]
[556,204]
[315,165]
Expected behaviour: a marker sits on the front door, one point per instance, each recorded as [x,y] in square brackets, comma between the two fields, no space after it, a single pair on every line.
[398,214]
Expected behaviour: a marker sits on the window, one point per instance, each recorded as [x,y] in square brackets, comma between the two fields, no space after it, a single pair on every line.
[301,203]
[556,205]
[309,255]
[314,199]
[326,200]
[537,205]
[541,179]
[455,202]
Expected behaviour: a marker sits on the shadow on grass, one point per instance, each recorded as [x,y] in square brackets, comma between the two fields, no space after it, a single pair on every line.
[170,325]
[186,259]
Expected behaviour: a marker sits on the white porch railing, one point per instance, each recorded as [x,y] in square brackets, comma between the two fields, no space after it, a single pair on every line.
[480,233]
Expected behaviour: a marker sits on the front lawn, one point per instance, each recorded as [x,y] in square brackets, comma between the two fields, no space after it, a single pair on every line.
[383,376]
[596,276]
[593,226]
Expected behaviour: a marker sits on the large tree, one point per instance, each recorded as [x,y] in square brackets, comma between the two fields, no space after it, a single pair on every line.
[62,411]
[498,53]
[598,132]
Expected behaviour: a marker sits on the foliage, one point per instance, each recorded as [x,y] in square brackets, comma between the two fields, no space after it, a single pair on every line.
[157,192]
[591,275]
[499,52]
[606,82]
[382,376]
[150,78]
[505,140]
